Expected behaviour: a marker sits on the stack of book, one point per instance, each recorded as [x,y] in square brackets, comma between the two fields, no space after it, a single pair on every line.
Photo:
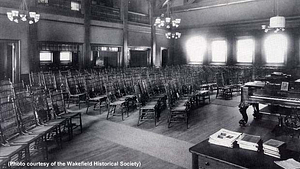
[249,142]
[274,148]
[224,137]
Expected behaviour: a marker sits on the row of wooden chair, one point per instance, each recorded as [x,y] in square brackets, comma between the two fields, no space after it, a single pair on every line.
[181,99]
[28,124]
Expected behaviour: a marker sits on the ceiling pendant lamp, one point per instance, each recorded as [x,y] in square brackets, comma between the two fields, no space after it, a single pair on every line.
[168,22]
[23,14]
[277,23]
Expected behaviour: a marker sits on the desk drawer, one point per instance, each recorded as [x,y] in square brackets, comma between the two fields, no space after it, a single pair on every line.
[211,163]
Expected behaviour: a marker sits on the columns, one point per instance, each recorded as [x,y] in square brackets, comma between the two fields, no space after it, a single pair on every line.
[153,30]
[124,17]
[84,61]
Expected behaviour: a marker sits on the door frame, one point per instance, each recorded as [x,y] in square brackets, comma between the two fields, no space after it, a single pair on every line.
[161,55]
[16,62]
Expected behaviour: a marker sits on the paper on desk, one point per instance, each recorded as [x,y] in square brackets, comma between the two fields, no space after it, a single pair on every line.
[288,164]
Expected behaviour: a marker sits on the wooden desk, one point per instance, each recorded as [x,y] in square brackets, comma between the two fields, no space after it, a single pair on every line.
[206,155]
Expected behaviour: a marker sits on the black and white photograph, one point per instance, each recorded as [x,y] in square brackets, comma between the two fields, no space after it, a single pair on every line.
[152,84]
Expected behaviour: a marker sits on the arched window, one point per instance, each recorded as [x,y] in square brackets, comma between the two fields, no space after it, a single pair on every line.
[275,46]
[196,48]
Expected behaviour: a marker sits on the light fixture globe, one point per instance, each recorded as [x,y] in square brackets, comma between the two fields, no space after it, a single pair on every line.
[23,14]
[277,22]
[168,22]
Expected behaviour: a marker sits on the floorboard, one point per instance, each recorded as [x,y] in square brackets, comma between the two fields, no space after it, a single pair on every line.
[115,140]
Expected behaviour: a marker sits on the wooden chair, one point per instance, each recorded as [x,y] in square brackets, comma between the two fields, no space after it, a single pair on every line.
[15,142]
[76,91]
[224,90]
[46,125]
[48,81]
[178,109]
[147,110]
[96,93]
[73,118]
[114,102]
[35,79]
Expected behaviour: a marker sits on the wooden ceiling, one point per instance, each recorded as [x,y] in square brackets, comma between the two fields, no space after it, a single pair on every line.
[197,13]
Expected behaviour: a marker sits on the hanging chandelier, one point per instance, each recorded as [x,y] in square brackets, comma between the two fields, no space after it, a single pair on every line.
[277,23]
[166,21]
[173,35]
[23,14]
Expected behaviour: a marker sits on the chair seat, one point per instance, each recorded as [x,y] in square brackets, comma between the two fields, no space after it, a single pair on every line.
[152,103]
[183,101]
[41,129]
[202,92]
[98,98]
[9,150]
[130,96]
[179,109]
[122,98]
[148,107]
[24,139]
[54,122]
[77,95]
[69,115]
[119,102]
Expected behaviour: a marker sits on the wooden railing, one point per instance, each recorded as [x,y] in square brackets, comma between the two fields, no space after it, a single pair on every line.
[106,13]
[138,17]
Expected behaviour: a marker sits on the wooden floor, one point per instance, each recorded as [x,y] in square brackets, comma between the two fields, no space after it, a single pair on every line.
[95,143]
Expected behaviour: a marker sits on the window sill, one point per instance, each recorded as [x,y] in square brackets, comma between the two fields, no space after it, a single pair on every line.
[275,64]
[217,63]
[195,63]
[244,64]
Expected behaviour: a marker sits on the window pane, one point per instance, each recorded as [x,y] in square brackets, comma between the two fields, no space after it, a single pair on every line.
[245,50]
[219,51]
[196,47]
[75,6]
[275,48]
[66,56]
[46,56]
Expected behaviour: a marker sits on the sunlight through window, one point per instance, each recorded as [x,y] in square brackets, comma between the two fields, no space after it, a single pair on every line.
[66,56]
[245,50]
[196,48]
[275,48]
[219,51]
[46,56]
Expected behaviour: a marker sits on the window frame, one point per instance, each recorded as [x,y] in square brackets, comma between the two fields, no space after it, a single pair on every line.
[285,52]
[76,2]
[66,61]
[46,61]
[236,50]
[204,52]
[211,51]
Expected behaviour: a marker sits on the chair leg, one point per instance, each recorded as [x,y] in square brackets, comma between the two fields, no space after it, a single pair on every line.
[169,120]
[78,102]
[87,107]
[139,117]
[155,117]
[217,93]
[108,111]
[69,101]
[187,120]
[80,122]
[122,109]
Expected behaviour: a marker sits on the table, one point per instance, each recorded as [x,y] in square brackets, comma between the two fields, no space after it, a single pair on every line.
[206,155]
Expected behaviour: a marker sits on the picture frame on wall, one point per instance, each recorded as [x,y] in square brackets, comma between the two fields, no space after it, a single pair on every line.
[284,86]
